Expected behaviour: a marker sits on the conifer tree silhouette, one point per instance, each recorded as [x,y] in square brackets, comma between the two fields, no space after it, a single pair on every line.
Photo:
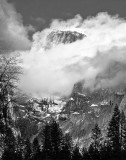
[56,139]
[36,155]
[66,151]
[47,149]
[95,146]
[27,152]
[76,155]
[113,134]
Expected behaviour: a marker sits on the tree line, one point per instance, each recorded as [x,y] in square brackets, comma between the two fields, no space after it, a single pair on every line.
[52,144]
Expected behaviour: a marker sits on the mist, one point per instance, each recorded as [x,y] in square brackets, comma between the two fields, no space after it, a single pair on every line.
[13,33]
[99,58]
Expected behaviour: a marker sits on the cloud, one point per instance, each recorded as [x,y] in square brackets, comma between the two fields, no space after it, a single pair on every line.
[39,20]
[99,59]
[13,34]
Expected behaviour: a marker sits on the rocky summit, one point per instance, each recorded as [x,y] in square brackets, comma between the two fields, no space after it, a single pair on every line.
[62,37]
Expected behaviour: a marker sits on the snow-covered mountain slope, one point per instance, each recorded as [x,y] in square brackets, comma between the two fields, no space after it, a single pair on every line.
[76,114]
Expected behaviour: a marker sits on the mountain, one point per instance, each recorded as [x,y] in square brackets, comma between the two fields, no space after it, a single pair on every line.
[55,38]
[76,114]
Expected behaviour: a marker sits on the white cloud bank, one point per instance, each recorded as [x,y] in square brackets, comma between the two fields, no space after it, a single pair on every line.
[99,59]
[13,34]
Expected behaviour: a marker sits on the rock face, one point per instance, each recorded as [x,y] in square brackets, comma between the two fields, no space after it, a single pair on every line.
[87,109]
[76,114]
[62,37]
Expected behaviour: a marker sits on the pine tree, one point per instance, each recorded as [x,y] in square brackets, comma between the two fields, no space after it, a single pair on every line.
[113,133]
[123,134]
[76,155]
[65,153]
[54,144]
[96,142]
[47,149]
[19,148]
[56,139]
[36,150]
[10,139]
[66,148]
[9,155]
[85,154]
[122,130]
[105,152]
[114,130]
[92,152]
[27,152]
[96,137]
[9,145]
[2,131]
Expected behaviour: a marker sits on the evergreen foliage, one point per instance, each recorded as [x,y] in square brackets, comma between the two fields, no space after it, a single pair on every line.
[27,152]
[94,149]
[114,130]
[36,152]
[76,155]
[54,145]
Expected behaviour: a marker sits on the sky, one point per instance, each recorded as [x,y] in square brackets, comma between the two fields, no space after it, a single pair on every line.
[99,59]
[40,13]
